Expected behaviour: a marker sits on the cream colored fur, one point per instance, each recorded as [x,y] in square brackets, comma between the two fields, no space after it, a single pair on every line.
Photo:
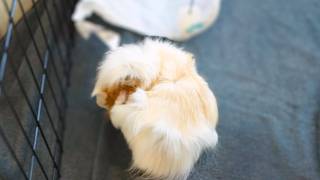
[170,118]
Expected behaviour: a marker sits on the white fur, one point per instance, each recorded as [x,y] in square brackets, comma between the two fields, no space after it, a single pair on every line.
[168,125]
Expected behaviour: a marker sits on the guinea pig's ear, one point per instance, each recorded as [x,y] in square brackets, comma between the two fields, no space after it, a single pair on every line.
[101,97]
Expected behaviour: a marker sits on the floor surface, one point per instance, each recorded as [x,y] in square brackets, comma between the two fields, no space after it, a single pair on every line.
[262,60]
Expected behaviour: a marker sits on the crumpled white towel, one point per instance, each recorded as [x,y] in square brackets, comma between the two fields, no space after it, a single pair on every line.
[174,19]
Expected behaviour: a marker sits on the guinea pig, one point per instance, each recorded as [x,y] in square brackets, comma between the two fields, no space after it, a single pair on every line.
[164,108]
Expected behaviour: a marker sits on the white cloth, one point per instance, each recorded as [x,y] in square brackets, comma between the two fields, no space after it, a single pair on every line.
[174,19]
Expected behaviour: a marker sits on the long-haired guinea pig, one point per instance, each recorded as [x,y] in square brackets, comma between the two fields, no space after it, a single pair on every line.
[164,108]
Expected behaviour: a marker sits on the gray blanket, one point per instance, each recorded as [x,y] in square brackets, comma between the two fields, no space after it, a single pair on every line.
[262,60]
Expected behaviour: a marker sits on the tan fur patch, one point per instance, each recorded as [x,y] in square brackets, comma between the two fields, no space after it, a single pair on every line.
[129,86]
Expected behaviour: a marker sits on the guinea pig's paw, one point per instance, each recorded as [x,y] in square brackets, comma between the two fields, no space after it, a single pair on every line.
[122,97]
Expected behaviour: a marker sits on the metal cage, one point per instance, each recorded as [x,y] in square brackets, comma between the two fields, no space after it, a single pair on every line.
[36,37]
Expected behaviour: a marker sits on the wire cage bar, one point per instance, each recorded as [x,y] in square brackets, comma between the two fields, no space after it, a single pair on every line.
[36,38]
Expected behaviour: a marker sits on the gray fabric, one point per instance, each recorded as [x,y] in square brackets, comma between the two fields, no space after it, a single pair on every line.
[262,60]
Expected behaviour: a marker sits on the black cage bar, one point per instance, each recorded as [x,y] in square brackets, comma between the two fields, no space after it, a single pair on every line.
[36,37]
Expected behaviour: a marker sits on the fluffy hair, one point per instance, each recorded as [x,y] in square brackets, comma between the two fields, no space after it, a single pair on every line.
[164,108]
